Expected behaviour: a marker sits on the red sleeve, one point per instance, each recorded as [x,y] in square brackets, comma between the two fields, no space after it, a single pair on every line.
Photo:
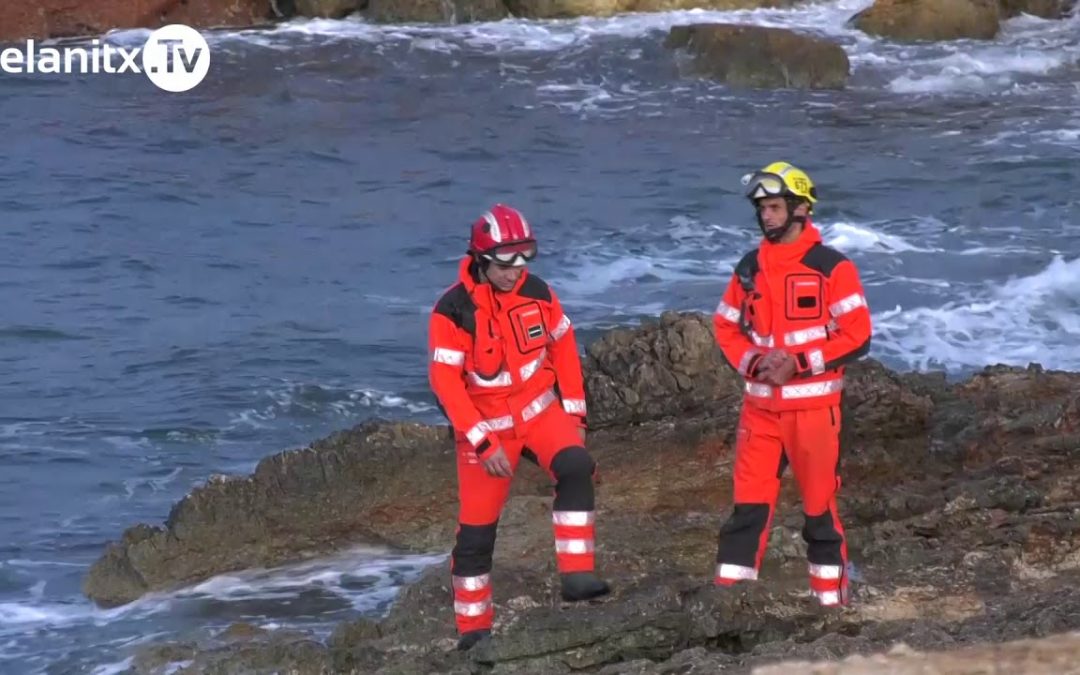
[740,352]
[446,374]
[850,324]
[564,357]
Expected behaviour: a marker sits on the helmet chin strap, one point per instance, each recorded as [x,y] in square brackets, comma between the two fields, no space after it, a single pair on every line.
[776,234]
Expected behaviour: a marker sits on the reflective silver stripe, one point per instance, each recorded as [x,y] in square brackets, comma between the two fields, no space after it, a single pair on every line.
[828,597]
[801,337]
[477,433]
[850,303]
[574,546]
[817,361]
[574,406]
[477,583]
[728,312]
[758,389]
[744,362]
[812,389]
[729,571]
[825,571]
[530,368]
[560,330]
[450,357]
[472,608]
[500,380]
[539,404]
[500,423]
[761,340]
[572,518]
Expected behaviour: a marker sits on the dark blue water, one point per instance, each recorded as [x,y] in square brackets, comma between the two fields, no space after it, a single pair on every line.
[192,282]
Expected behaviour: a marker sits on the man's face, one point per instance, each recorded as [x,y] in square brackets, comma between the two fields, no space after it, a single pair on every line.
[774,213]
[503,277]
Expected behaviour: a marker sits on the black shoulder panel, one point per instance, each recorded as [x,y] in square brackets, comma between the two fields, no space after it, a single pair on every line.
[535,288]
[747,269]
[823,259]
[457,306]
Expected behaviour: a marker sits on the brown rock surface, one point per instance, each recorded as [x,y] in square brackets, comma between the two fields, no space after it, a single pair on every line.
[913,20]
[756,56]
[22,19]
[960,499]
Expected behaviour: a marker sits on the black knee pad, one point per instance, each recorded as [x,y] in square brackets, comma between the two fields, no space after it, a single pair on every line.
[573,469]
[473,549]
[822,540]
[572,461]
[740,534]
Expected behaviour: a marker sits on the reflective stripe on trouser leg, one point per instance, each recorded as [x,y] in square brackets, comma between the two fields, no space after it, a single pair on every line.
[473,608]
[826,554]
[573,510]
[471,578]
[574,540]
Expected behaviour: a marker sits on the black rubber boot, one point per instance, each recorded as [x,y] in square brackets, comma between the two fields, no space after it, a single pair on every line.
[468,640]
[578,586]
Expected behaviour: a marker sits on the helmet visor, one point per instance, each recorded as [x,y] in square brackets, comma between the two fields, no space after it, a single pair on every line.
[516,254]
[760,185]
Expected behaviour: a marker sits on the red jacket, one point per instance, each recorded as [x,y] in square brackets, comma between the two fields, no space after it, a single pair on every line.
[500,359]
[805,298]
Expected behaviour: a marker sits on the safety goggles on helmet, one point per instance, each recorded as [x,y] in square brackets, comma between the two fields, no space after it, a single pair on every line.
[516,254]
[761,184]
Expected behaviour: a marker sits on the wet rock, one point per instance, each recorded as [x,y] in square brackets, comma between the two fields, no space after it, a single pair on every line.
[435,11]
[959,499]
[555,9]
[20,19]
[760,57]
[327,9]
[296,504]
[915,20]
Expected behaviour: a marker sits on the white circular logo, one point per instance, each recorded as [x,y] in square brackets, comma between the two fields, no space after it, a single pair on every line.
[176,57]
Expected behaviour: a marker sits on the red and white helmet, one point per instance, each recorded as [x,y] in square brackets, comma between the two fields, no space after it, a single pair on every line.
[503,235]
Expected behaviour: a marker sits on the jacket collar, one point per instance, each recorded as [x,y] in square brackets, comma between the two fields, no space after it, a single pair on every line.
[468,275]
[782,253]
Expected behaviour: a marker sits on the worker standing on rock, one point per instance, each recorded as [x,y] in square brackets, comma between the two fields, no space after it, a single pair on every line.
[793,314]
[505,369]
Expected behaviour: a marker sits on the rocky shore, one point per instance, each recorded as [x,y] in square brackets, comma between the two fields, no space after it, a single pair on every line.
[961,499]
[741,56]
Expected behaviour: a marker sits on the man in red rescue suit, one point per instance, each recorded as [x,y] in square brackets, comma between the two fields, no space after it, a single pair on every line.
[793,314]
[504,367]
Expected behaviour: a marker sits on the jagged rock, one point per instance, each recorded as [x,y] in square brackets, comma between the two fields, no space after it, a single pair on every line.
[21,19]
[913,20]
[756,56]
[556,9]
[435,11]
[298,503]
[328,9]
[1059,654]
[959,499]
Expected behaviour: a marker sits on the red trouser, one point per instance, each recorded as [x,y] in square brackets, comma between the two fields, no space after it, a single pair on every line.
[554,440]
[808,440]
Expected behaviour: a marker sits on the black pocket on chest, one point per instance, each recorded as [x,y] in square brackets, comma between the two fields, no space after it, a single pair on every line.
[803,296]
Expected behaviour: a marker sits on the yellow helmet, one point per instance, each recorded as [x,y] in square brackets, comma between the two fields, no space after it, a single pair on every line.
[780,179]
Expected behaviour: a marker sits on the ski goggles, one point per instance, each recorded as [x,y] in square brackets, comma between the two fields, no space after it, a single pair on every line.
[760,184]
[513,255]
